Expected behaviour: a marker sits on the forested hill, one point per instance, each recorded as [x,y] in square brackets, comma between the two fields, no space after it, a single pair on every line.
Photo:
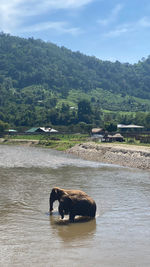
[28,62]
[33,72]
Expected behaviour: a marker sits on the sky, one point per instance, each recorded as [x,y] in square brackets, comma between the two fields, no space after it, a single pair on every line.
[107,29]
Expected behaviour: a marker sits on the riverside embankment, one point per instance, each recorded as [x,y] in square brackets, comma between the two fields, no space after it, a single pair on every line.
[120,154]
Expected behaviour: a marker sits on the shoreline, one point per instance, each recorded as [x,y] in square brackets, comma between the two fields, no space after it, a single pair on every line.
[24,142]
[120,154]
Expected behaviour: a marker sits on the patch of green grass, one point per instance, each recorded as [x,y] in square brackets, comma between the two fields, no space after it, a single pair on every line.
[63,142]
[133,141]
[25,137]
[59,142]
[58,145]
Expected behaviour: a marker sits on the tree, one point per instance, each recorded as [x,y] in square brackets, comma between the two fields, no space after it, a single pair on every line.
[3,126]
[43,75]
[110,126]
[84,127]
[84,111]
[53,117]
[147,121]
[65,108]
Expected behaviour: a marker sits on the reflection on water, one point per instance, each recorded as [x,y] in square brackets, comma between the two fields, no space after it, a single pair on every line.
[82,228]
[118,236]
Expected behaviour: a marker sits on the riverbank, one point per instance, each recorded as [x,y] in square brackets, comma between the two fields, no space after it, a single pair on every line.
[60,142]
[19,142]
[121,154]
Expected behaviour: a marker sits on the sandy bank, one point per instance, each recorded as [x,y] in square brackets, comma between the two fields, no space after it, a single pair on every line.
[120,154]
[19,142]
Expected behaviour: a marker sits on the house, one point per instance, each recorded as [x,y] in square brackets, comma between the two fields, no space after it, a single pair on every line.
[115,138]
[118,137]
[35,130]
[98,131]
[98,134]
[129,127]
[53,131]
[41,130]
[12,131]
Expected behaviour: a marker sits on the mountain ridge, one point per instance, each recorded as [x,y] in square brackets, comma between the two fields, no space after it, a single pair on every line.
[42,75]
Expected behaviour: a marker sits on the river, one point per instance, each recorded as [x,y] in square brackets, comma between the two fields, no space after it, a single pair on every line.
[29,236]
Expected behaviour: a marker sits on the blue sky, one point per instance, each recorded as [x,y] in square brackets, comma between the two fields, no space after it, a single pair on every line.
[107,29]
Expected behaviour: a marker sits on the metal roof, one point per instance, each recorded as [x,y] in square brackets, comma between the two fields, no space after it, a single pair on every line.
[42,129]
[97,130]
[32,130]
[129,126]
[12,131]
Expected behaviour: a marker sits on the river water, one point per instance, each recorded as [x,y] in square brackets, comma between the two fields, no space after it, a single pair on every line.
[29,236]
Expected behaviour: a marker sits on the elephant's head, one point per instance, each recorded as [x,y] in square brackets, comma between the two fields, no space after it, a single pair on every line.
[65,205]
[55,194]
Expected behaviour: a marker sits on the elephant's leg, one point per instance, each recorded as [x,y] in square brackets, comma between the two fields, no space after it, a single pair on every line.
[61,210]
[50,205]
[71,217]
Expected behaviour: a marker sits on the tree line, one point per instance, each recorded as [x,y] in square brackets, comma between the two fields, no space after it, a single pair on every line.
[37,80]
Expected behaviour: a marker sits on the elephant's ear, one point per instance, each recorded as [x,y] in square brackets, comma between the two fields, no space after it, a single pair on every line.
[69,201]
[58,192]
[55,190]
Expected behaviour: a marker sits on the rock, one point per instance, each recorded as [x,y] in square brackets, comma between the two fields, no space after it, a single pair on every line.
[120,154]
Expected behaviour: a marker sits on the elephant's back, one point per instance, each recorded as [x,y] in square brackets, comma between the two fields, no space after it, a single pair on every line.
[76,193]
[85,207]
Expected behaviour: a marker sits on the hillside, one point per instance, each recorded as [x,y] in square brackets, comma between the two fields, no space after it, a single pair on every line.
[38,80]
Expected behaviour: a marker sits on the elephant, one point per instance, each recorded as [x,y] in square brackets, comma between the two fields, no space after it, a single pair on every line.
[57,193]
[77,205]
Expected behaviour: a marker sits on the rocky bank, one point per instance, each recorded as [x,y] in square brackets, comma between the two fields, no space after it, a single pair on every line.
[120,154]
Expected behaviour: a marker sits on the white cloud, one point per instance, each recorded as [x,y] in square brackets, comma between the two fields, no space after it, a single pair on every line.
[129,27]
[14,13]
[66,3]
[113,15]
[144,22]
[9,14]
[58,26]
[121,29]
[35,7]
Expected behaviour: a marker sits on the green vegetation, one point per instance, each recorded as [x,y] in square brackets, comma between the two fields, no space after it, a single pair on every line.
[26,137]
[3,127]
[42,84]
[58,141]
[134,141]
[63,142]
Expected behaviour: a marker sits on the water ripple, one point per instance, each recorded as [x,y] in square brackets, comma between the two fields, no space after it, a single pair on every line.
[27,157]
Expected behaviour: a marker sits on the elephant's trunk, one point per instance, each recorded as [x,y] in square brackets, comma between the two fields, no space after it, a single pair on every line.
[51,204]
[61,210]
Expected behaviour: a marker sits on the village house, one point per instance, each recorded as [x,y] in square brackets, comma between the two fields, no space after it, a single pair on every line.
[98,133]
[129,128]
[115,138]
[41,130]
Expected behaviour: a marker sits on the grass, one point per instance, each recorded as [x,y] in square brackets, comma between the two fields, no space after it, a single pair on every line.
[63,142]
[59,142]
[133,141]
[25,137]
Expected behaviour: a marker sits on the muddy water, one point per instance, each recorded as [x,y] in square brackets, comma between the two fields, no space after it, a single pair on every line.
[118,236]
